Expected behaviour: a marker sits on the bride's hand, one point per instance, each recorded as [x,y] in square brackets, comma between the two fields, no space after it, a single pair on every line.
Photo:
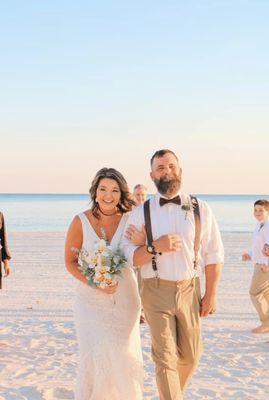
[109,289]
[136,237]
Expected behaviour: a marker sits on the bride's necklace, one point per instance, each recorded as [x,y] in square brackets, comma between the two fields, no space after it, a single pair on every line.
[103,226]
[107,215]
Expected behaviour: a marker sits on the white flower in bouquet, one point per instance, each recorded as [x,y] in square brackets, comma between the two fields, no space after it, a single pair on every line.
[103,266]
[102,269]
[101,247]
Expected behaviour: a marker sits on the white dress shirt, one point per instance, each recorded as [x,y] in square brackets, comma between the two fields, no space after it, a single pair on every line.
[171,219]
[260,238]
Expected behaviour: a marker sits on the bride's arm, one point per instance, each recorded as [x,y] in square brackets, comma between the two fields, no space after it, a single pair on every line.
[73,241]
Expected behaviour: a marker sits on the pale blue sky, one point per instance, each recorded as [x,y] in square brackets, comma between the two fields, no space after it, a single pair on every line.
[90,84]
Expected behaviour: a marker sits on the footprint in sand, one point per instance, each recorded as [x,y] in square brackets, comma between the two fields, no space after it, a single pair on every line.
[58,394]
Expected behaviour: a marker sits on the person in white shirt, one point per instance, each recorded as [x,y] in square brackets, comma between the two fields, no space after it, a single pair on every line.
[171,292]
[140,194]
[259,288]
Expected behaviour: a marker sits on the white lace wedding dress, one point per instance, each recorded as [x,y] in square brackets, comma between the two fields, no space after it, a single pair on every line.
[110,358]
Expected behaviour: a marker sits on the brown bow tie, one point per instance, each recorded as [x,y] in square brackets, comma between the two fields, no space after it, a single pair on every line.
[175,200]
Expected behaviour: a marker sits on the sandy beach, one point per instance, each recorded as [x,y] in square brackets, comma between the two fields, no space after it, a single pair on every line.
[38,348]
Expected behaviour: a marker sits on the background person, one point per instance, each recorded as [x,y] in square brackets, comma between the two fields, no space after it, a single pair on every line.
[140,194]
[4,252]
[259,288]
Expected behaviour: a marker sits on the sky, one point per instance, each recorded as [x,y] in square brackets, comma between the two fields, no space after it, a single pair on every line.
[89,84]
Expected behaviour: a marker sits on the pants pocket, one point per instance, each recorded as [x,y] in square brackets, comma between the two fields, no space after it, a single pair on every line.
[197,288]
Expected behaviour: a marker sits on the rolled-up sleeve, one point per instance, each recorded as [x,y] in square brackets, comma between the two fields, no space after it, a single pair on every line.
[135,218]
[211,243]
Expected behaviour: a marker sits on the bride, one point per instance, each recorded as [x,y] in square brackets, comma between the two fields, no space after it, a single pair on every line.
[107,320]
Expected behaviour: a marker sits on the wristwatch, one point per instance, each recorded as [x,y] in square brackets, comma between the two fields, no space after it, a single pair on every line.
[151,249]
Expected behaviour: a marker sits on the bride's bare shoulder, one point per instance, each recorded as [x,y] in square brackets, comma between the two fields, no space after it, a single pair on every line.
[89,215]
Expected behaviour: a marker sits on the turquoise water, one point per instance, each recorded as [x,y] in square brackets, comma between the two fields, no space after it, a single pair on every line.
[54,212]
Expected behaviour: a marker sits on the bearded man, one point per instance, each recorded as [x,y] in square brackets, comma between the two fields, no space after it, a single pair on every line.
[182,237]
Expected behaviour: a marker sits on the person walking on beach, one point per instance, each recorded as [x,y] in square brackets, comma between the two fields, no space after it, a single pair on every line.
[106,318]
[176,224]
[140,194]
[259,288]
[4,252]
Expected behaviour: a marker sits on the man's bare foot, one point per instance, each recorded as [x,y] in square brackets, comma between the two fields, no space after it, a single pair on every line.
[261,329]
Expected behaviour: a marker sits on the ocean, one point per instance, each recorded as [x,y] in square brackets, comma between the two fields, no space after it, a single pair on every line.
[54,212]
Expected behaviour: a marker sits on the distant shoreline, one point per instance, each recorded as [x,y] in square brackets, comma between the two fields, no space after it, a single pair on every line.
[49,212]
[150,194]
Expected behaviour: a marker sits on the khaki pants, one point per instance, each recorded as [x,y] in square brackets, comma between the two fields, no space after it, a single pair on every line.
[172,309]
[259,292]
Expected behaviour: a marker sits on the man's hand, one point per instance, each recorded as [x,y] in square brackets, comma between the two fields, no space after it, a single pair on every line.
[164,244]
[209,305]
[246,257]
[168,243]
[6,268]
[209,301]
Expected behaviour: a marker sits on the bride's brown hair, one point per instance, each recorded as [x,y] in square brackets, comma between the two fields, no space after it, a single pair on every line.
[126,202]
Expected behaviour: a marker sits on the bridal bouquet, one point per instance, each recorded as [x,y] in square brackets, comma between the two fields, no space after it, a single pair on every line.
[103,266]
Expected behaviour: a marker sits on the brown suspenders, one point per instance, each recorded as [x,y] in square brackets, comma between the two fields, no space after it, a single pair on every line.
[149,232]
[197,220]
[197,237]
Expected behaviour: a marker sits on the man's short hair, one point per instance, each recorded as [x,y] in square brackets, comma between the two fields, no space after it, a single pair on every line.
[140,186]
[161,153]
[262,202]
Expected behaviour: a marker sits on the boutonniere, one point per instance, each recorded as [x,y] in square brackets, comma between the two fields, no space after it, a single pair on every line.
[188,206]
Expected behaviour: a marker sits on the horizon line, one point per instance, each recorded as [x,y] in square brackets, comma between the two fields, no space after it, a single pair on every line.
[85,194]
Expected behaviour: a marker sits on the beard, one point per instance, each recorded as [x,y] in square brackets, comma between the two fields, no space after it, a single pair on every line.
[168,186]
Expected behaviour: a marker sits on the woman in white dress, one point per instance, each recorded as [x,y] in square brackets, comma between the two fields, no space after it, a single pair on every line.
[107,320]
